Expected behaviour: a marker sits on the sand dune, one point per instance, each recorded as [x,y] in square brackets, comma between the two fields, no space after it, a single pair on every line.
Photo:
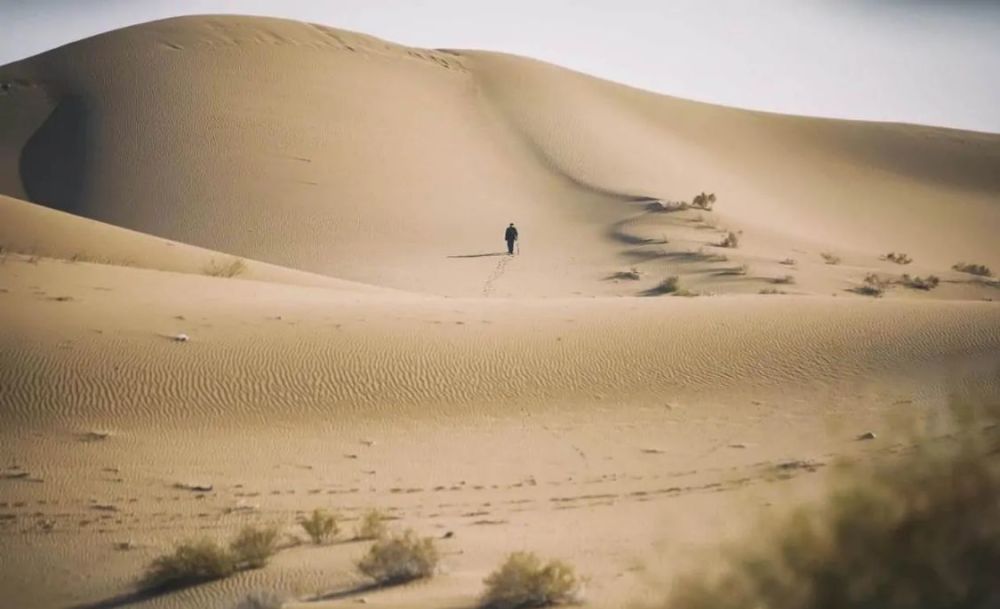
[378,348]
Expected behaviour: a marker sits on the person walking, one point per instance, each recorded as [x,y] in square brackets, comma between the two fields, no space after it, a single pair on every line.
[510,236]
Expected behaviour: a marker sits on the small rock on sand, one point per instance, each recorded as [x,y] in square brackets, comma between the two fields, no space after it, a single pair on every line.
[181,338]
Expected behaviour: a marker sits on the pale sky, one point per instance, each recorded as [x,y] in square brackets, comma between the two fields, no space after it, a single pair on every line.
[921,61]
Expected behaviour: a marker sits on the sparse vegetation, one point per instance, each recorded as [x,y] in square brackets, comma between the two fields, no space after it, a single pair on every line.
[920,283]
[372,525]
[261,600]
[980,270]
[873,285]
[898,258]
[630,275]
[786,280]
[740,271]
[227,270]
[667,286]
[400,558]
[253,546]
[830,258]
[789,262]
[703,201]
[191,563]
[916,531]
[523,580]
[772,291]
[321,526]
[732,240]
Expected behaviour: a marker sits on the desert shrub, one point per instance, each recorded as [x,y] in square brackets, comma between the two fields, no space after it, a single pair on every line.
[321,526]
[253,546]
[830,258]
[973,269]
[667,286]
[667,207]
[631,275]
[703,201]
[523,580]
[898,258]
[731,240]
[400,558]
[772,291]
[872,285]
[261,600]
[372,525]
[921,283]
[228,270]
[786,280]
[191,562]
[917,531]
[789,262]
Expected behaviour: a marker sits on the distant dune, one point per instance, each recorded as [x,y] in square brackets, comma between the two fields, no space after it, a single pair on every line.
[250,268]
[314,148]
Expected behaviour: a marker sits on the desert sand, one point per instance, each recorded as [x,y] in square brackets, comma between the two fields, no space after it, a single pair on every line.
[320,214]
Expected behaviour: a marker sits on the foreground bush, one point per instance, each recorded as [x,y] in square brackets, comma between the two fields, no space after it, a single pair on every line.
[254,546]
[321,526]
[667,286]
[525,581]
[921,283]
[191,563]
[400,558]
[921,531]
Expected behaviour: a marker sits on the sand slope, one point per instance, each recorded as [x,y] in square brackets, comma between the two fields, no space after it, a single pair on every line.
[314,148]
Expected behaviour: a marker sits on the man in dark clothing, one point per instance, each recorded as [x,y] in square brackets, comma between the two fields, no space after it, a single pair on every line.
[510,236]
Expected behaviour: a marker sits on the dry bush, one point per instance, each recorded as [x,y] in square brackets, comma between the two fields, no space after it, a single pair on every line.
[973,269]
[227,270]
[254,546]
[731,240]
[191,563]
[261,600]
[372,525]
[789,262]
[830,258]
[631,275]
[921,283]
[667,286]
[400,558]
[523,580]
[898,258]
[772,291]
[786,280]
[321,526]
[703,201]
[917,531]
[873,285]
[667,206]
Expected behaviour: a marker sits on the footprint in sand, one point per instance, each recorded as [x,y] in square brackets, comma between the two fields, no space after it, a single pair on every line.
[495,275]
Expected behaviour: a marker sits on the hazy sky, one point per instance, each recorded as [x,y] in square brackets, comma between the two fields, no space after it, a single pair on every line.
[922,61]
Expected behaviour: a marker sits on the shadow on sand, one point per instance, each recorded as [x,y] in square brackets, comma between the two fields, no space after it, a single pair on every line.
[480,255]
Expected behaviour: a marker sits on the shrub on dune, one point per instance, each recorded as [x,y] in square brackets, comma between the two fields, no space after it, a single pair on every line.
[372,525]
[980,270]
[830,258]
[227,270]
[523,580]
[261,600]
[191,563]
[400,558]
[921,283]
[253,546]
[732,240]
[704,201]
[321,526]
[667,286]
[898,258]
[872,285]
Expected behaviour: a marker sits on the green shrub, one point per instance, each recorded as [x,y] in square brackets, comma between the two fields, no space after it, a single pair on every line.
[253,546]
[400,558]
[523,580]
[321,526]
[917,531]
[191,562]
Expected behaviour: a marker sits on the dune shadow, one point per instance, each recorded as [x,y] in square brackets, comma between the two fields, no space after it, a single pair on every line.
[484,255]
[122,600]
[339,595]
[53,161]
